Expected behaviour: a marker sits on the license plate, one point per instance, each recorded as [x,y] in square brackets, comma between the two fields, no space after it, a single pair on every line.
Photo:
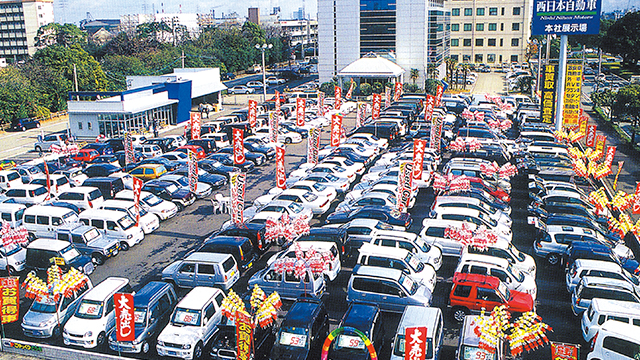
[172,353]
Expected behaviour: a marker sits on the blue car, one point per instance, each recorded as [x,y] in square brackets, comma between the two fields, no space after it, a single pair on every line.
[385,214]
[102,148]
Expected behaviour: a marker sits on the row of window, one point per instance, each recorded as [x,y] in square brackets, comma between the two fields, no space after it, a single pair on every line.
[481,27]
[480,42]
[479,58]
[493,11]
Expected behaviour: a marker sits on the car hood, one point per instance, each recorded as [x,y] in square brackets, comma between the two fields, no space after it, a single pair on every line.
[139,331]
[181,334]
[171,269]
[279,353]
[181,194]
[34,318]
[78,326]
[520,302]
[103,242]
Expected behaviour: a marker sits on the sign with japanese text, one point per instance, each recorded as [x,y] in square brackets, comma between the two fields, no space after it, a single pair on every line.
[237,182]
[137,188]
[125,319]
[375,107]
[572,93]
[10,299]
[337,92]
[313,145]
[252,114]
[569,17]
[195,126]
[636,203]
[273,127]
[277,99]
[563,351]
[591,135]
[244,336]
[193,171]
[336,127]
[350,91]
[128,149]
[387,97]
[418,158]
[415,343]
[281,176]
[238,146]
[584,120]
[439,93]
[435,134]
[548,94]
[301,111]
[611,152]
[361,109]
[405,186]
[321,103]
[428,108]
[601,140]
[397,91]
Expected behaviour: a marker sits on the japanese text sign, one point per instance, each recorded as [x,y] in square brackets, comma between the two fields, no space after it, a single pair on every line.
[572,93]
[415,343]
[568,17]
[321,103]
[591,135]
[397,91]
[193,171]
[313,145]
[273,127]
[548,94]
[244,336]
[439,93]
[195,126]
[428,109]
[387,97]
[10,299]
[337,91]
[405,186]
[375,107]
[418,158]
[636,203]
[562,351]
[128,149]
[252,113]
[238,146]
[277,99]
[336,127]
[237,182]
[137,188]
[301,105]
[601,140]
[125,321]
[281,176]
[361,110]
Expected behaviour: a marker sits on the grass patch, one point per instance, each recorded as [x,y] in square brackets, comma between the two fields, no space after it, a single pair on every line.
[625,71]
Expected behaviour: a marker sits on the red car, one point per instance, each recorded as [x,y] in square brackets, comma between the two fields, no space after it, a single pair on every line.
[85,155]
[496,191]
[199,151]
[473,292]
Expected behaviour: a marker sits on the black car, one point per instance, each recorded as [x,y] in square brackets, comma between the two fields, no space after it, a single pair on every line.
[101,170]
[302,332]
[117,144]
[215,180]
[168,164]
[24,124]
[304,133]
[348,345]
[269,152]
[216,167]
[227,159]
[252,231]
[101,148]
[336,235]
[170,192]
[592,250]
[239,247]
[208,145]
[383,213]
[137,156]
[165,144]
[105,159]
[256,158]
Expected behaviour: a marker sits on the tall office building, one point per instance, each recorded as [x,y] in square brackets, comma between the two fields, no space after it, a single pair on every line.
[490,32]
[19,24]
[415,33]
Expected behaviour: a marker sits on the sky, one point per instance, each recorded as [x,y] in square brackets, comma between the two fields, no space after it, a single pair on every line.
[72,11]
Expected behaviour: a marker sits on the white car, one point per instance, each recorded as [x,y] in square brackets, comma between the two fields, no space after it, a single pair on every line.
[382,143]
[472,203]
[476,217]
[272,80]
[346,163]
[370,199]
[29,194]
[331,269]
[318,204]
[58,182]
[148,221]
[358,149]
[391,189]
[176,156]
[321,169]
[278,207]
[127,179]
[178,140]
[202,189]
[163,209]
[255,84]
[285,137]
[241,89]
[316,188]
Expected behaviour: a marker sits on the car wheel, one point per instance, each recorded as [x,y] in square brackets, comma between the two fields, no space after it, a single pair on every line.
[38,149]
[197,351]
[56,331]
[101,339]
[287,141]
[37,126]
[124,246]
[11,271]
[145,347]
[553,259]
[98,259]
[32,237]
[459,313]
[180,206]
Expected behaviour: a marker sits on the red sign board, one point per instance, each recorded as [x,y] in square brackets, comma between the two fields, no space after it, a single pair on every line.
[137,188]
[10,300]
[397,91]
[601,140]
[253,113]
[338,97]
[125,319]
[244,336]
[195,126]
[439,93]
[301,105]
[563,351]
[281,176]
[611,152]
[375,107]
[238,146]
[636,204]
[591,135]
[428,109]
[415,343]
[336,127]
[277,103]
[418,158]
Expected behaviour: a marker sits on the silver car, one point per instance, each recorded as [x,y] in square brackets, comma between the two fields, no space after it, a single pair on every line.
[203,189]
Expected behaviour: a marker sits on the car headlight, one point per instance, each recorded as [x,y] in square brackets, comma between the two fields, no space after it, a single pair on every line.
[161,343]
[88,334]
[65,331]
[129,236]
[186,346]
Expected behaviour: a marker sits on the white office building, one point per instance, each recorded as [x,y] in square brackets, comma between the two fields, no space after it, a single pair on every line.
[19,24]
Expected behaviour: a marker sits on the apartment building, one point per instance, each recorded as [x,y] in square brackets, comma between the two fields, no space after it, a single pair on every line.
[490,32]
[19,24]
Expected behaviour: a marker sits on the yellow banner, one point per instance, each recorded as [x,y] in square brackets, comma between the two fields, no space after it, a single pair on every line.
[572,93]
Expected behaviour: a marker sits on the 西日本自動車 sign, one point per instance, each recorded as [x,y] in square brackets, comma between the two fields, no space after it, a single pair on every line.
[566,17]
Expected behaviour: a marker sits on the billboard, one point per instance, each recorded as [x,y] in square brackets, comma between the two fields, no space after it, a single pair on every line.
[570,17]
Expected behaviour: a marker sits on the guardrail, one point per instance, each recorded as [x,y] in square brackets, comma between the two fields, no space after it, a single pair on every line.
[51,352]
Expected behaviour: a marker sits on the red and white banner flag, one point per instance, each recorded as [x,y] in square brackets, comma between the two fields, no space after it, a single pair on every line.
[337,92]
[361,110]
[415,343]
[439,93]
[244,336]
[301,111]
[428,109]
[397,91]
[195,126]
[46,172]
[591,135]
[193,171]
[281,176]
[404,186]
[238,146]
[273,127]
[237,187]
[252,114]
[129,157]
[387,97]
[636,203]
[125,319]
[336,127]
[313,145]
[350,91]
[375,107]
[479,115]
[601,141]
[418,158]
[611,152]
[137,188]
[277,103]
[321,103]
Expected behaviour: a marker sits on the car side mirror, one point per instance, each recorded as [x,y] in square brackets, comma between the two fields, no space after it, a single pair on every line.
[205,321]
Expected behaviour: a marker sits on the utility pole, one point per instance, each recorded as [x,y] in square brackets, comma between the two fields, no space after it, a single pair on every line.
[182,57]
[75,81]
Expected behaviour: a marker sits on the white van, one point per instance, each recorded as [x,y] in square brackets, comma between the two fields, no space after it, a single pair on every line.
[84,197]
[221,139]
[161,208]
[12,213]
[58,182]
[43,221]
[9,178]
[29,194]
[114,224]
[12,258]
[414,316]
[616,341]
[602,310]
[148,222]
[148,150]
[95,316]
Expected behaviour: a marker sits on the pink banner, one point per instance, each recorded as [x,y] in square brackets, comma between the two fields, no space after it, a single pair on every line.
[125,318]
[428,109]
[193,171]
[273,127]
[238,146]
[397,92]
[301,111]
[360,113]
[439,93]
[336,127]
[321,103]
[591,135]
[387,97]
[137,188]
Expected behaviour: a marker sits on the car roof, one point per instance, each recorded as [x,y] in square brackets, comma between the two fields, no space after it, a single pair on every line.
[374,271]
[103,214]
[26,186]
[47,210]
[105,288]
[597,264]
[484,259]
[207,257]
[82,189]
[225,240]
[360,316]
[198,297]
[301,313]
[48,244]
[597,281]
[148,292]
[463,278]
[384,251]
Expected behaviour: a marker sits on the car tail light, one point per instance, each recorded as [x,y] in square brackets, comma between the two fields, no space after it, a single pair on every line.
[538,244]
[330,266]
[325,203]
[225,277]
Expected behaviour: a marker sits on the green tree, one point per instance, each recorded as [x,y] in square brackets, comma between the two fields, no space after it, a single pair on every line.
[432,71]
[525,83]
[254,33]
[17,98]
[627,107]
[366,89]
[414,75]
[592,41]
[61,60]
[623,38]
[55,34]
[431,86]
[153,31]
[378,88]
[604,98]
[49,87]
[410,88]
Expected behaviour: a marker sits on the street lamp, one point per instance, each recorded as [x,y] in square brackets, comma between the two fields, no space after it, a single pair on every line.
[262,48]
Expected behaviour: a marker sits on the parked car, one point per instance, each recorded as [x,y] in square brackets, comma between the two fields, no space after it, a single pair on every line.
[101,170]
[203,190]
[363,317]
[288,285]
[148,171]
[239,247]
[385,214]
[29,195]
[24,124]
[615,341]
[241,89]
[41,251]
[85,155]
[102,148]
[163,209]
[89,241]
[203,269]
[170,192]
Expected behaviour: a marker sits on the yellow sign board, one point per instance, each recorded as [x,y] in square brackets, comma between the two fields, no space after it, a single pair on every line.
[572,94]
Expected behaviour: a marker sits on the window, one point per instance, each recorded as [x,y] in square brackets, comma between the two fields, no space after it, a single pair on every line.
[209,311]
[454,42]
[479,27]
[501,44]
[453,57]
[6,216]
[514,58]
[621,346]
[188,268]
[491,58]
[480,11]
[79,125]
[77,239]
[455,12]
[515,27]
[207,269]
[467,42]
[462,291]
[56,221]
[493,27]
[480,42]
[502,12]
[89,125]
[479,58]
[493,11]
[468,27]
[468,12]
[455,27]
[491,42]
[501,26]
[515,42]
[272,275]
[43,220]
[111,225]
[487,295]
[516,11]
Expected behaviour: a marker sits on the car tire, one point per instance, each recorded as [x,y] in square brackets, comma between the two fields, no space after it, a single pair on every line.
[100,340]
[459,313]
[23,128]
[38,149]
[37,126]
[553,259]
[197,351]
[124,246]
[180,206]
[287,140]
[56,332]
[145,347]
[31,237]
[98,259]
[11,271]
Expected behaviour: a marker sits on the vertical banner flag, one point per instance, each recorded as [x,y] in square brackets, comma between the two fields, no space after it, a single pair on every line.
[337,102]
[48,179]
[428,109]
[548,96]
[611,152]
[591,135]
[361,109]
[636,203]
[404,186]
[375,107]
[277,99]
[195,126]
[281,176]
[615,182]
[350,92]
[397,91]
[313,145]
[301,111]
[572,93]
[193,171]
[415,343]
[601,140]
[566,18]
[125,321]
[252,114]
[238,180]
[321,103]
[439,93]
[137,188]
[273,127]
[10,299]
[336,127]
[435,135]
[238,146]
[128,149]
[563,351]
[418,158]
[583,124]
[244,336]
[387,97]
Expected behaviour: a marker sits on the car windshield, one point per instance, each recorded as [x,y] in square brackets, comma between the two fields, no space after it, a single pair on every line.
[415,264]
[90,309]
[182,181]
[188,317]
[91,235]
[383,226]
[408,284]
[69,253]
[45,305]
[152,200]
[126,222]
[274,208]
[515,273]
[140,315]
[10,249]
[293,336]
[171,188]
[295,208]
[399,345]
[310,197]
[132,210]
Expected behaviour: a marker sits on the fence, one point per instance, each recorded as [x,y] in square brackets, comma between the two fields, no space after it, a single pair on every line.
[45,351]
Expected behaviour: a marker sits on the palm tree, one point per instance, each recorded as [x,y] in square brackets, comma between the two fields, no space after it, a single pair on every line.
[465,71]
[432,71]
[451,66]
[414,75]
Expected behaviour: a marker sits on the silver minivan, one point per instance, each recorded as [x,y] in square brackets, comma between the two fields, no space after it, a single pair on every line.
[419,316]
[203,269]
[43,221]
